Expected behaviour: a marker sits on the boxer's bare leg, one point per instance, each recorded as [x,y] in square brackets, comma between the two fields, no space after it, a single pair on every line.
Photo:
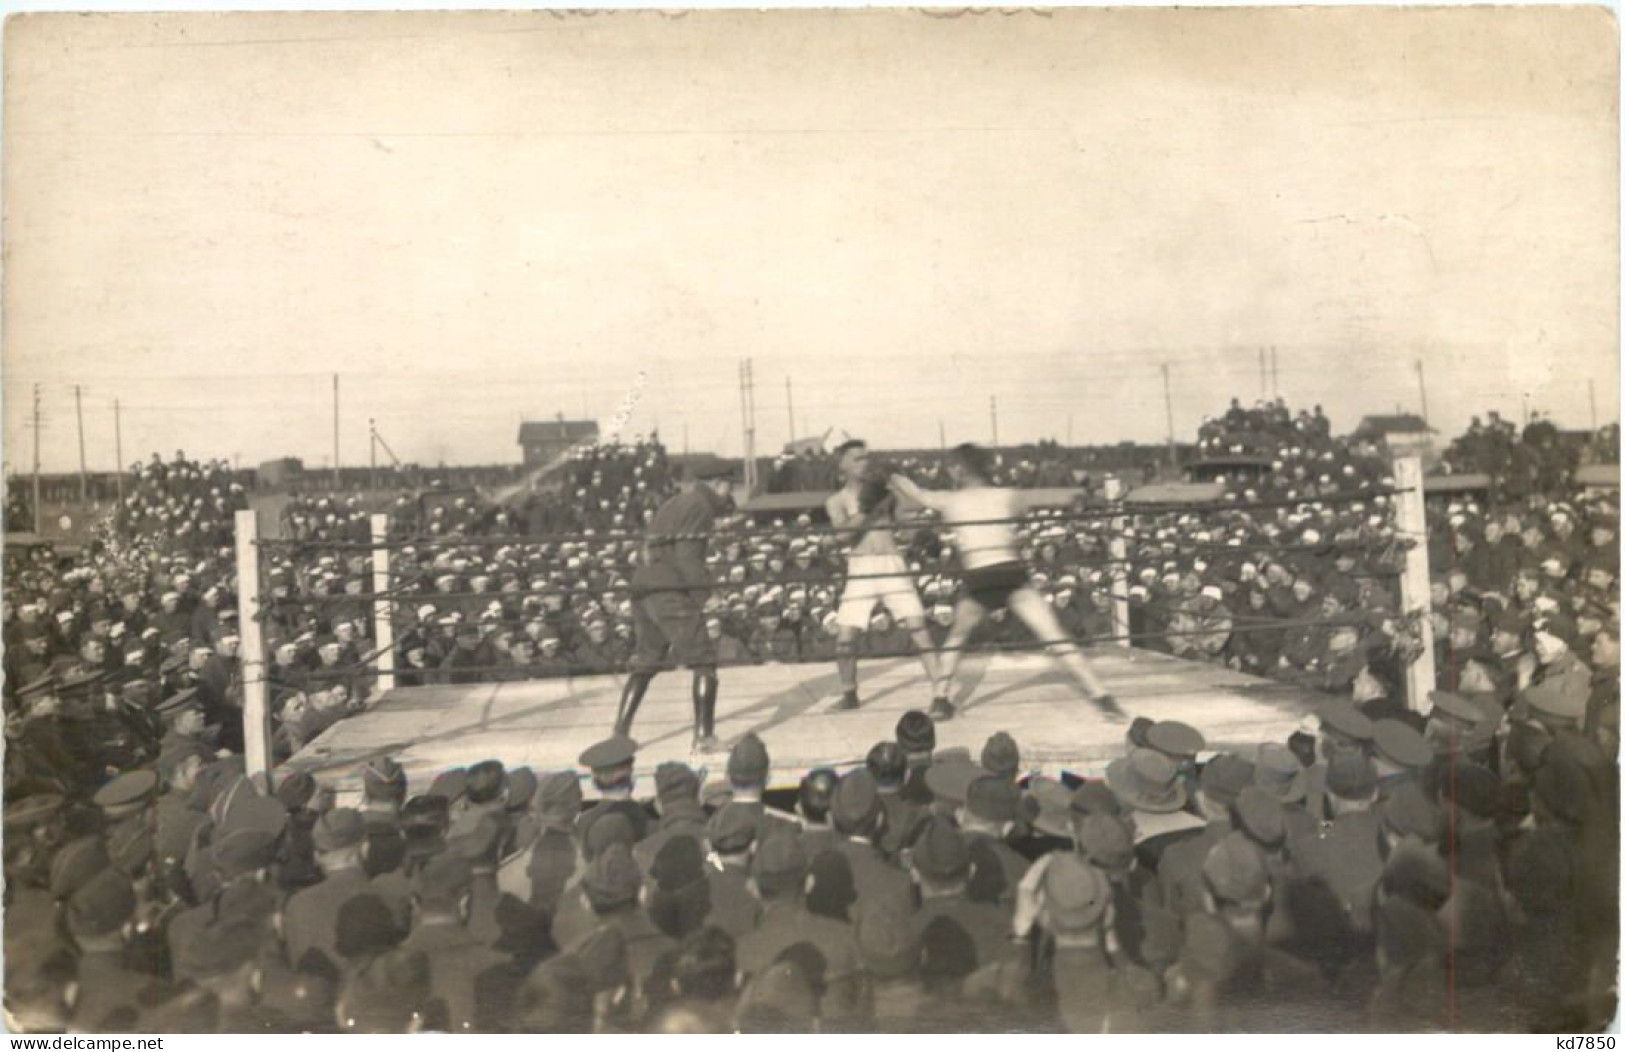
[927,652]
[1040,619]
[968,613]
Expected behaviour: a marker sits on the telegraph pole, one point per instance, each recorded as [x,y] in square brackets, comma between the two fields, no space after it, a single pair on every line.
[1591,392]
[1263,376]
[118,449]
[1422,386]
[942,437]
[1168,405]
[335,431]
[1069,429]
[84,476]
[747,413]
[790,408]
[37,512]
[993,412]
[1275,371]
[372,453]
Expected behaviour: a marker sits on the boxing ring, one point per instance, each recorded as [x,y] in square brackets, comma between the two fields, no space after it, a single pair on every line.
[545,723]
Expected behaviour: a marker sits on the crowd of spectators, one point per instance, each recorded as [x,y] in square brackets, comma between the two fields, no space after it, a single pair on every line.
[1371,874]
[1537,459]
[124,658]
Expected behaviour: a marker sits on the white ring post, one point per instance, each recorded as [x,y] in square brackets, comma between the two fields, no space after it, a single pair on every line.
[1410,510]
[383,631]
[256,711]
[1118,550]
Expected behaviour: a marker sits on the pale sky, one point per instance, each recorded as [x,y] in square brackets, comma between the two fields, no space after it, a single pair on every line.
[475,217]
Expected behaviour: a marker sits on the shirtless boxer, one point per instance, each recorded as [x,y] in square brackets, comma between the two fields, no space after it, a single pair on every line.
[994,574]
[862,512]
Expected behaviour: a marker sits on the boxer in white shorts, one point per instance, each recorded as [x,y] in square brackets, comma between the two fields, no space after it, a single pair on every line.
[994,574]
[861,511]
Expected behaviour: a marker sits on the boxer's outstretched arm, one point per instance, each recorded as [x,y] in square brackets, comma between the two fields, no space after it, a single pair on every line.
[904,487]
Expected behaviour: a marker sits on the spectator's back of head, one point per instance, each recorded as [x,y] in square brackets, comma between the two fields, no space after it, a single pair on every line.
[485,782]
[817,790]
[886,765]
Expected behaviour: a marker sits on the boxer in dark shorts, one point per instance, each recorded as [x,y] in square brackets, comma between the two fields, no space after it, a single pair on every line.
[669,590]
[983,518]
[992,586]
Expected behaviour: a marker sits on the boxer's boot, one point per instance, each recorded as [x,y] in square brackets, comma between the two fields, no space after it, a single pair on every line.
[705,710]
[631,698]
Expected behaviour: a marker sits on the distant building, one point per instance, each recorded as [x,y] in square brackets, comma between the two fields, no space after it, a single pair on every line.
[542,440]
[1402,433]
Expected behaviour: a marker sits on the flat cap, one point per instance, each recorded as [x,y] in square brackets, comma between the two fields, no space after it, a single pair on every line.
[1173,738]
[559,793]
[102,905]
[676,782]
[780,863]
[443,878]
[615,751]
[940,850]
[76,864]
[522,784]
[1234,870]
[1076,894]
[951,781]
[1278,771]
[1105,842]
[130,789]
[340,828]
[1408,812]
[856,803]
[178,702]
[1050,807]
[612,879]
[732,829]
[916,732]
[1095,798]
[244,850]
[748,761]
[1351,776]
[479,845]
[1261,816]
[1401,744]
[888,942]
[1341,717]
[249,810]
[994,798]
[1225,776]
[1001,756]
